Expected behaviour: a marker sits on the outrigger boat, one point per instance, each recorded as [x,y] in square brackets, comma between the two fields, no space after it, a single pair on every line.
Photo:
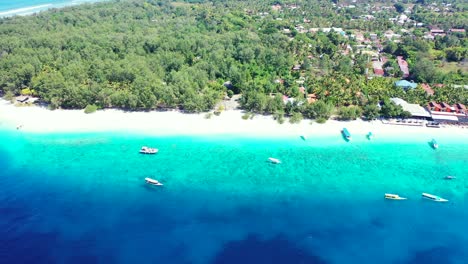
[147,150]
[370,135]
[153,182]
[394,197]
[346,133]
[434,144]
[434,198]
[275,161]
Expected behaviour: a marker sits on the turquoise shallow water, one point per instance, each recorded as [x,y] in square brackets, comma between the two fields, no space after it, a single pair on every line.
[81,198]
[25,7]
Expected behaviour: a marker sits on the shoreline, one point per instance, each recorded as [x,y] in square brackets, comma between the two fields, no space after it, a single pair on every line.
[35,119]
[41,7]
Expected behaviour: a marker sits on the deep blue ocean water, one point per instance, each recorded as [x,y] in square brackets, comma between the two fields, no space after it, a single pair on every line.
[81,198]
[25,7]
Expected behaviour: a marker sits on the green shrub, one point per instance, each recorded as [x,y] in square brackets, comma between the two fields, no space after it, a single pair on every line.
[321,120]
[90,109]
[219,110]
[9,96]
[280,119]
[246,116]
[349,112]
[295,118]
[208,115]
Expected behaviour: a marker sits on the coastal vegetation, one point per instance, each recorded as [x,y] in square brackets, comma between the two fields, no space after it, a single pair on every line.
[90,109]
[190,55]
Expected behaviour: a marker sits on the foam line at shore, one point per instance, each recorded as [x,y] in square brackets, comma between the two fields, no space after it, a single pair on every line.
[25,10]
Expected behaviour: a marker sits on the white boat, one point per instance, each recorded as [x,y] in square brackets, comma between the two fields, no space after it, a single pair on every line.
[275,161]
[147,150]
[394,197]
[153,182]
[434,198]
[450,177]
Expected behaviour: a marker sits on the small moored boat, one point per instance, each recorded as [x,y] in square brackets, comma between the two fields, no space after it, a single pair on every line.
[434,144]
[153,182]
[147,150]
[450,177]
[303,137]
[275,161]
[394,197]
[346,133]
[369,135]
[434,198]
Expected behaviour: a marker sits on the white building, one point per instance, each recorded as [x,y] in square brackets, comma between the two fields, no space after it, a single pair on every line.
[415,109]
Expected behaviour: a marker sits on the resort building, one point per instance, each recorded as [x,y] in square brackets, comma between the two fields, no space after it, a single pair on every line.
[444,112]
[460,108]
[414,109]
[444,117]
[433,106]
[447,108]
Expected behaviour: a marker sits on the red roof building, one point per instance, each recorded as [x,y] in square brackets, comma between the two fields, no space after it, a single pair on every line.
[379,72]
[433,106]
[457,30]
[460,108]
[427,88]
[446,107]
[311,98]
[403,66]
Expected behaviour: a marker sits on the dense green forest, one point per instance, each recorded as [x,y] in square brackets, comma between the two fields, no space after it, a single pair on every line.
[161,54]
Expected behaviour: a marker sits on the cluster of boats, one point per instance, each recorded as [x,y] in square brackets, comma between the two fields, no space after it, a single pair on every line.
[369,136]
[148,150]
[347,135]
[157,183]
[428,196]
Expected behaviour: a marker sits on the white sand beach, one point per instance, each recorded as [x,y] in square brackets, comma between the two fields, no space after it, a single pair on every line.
[41,120]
